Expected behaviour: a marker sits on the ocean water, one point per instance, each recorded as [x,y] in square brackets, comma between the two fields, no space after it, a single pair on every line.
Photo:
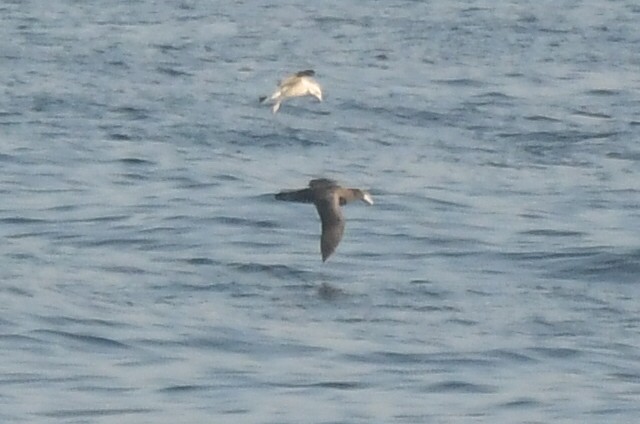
[147,275]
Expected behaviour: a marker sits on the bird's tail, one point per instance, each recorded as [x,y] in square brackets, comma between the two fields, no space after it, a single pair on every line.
[262,99]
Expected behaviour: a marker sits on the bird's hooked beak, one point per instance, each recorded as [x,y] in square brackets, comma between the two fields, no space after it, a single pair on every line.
[366,197]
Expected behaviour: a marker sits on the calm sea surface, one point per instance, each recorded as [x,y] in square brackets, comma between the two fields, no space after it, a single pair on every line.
[147,275]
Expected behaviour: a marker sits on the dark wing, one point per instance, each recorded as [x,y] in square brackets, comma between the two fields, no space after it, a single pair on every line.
[293,79]
[332,223]
[303,196]
[322,183]
[306,73]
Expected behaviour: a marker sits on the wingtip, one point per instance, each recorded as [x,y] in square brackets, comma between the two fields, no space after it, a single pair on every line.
[326,255]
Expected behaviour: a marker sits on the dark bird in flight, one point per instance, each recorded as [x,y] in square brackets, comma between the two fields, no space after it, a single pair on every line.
[328,197]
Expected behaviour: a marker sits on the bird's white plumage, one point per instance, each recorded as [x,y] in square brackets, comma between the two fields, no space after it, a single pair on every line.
[297,85]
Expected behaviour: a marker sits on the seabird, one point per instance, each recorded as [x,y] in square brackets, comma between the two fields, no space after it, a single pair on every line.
[297,85]
[328,197]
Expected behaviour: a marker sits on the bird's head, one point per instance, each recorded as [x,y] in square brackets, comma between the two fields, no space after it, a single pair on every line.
[366,197]
[363,195]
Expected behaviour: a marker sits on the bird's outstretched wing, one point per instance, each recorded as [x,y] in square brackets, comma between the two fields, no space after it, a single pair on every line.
[306,73]
[332,224]
[322,183]
[302,196]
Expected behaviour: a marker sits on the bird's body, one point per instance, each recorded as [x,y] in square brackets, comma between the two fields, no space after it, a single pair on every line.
[296,85]
[328,197]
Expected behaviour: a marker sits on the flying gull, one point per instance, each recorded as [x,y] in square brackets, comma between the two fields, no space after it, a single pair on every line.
[297,85]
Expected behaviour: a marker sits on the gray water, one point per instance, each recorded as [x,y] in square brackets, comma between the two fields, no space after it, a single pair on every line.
[148,275]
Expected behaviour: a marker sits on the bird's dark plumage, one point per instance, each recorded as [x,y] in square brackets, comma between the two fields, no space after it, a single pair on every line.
[306,73]
[328,198]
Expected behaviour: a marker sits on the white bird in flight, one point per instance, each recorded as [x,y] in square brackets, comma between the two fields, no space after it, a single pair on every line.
[297,85]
